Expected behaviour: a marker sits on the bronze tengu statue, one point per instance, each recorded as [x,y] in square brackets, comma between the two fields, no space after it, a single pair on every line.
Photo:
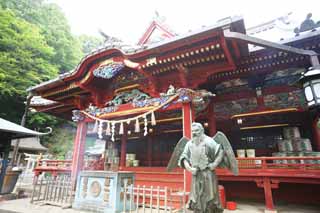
[201,156]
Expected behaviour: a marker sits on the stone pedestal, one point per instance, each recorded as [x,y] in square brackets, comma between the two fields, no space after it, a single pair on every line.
[102,191]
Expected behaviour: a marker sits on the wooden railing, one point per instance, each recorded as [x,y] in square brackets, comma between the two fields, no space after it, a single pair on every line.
[274,163]
[304,163]
[147,199]
[53,166]
[52,190]
[54,163]
[64,166]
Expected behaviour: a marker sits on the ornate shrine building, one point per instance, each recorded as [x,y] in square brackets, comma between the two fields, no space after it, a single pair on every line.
[142,99]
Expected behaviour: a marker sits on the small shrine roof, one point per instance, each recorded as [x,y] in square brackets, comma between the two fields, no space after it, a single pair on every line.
[18,131]
[30,144]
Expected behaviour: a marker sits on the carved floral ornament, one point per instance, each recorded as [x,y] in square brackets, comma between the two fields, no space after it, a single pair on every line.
[111,67]
[95,188]
[109,126]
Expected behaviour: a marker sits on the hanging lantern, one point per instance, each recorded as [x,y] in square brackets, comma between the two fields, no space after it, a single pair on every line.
[311,86]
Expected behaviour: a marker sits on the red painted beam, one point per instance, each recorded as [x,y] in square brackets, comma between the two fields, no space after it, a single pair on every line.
[227,52]
[236,48]
[183,73]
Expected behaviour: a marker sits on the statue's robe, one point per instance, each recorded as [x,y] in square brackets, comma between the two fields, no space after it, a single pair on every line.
[204,194]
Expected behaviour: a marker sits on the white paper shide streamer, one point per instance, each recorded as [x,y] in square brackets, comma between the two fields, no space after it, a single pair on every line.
[100,129]
[111,125]
[145,125]
[153,119]
[121,129]
[137,126]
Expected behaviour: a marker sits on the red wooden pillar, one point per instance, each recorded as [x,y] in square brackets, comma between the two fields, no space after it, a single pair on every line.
[187,119]
[187,115]
[78,151]
[123,148]
[316,133]
[149,151]
[268,193]
[212,120]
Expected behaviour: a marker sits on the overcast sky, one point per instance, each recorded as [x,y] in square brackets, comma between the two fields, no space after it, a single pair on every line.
[128,19]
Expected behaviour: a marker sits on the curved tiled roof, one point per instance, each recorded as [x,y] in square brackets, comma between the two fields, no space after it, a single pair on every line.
[129,50]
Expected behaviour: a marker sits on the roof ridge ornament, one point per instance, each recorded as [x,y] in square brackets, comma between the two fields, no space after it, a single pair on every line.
[307,25]
[158,30]
[108,38]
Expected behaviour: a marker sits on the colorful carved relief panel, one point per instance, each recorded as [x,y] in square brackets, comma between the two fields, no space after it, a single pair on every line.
[95,189]
[285,100]
[106,195]
[283,77]
[126,78]
[233,85]
[84,187]
[108,70]
[229,108]
[125,183]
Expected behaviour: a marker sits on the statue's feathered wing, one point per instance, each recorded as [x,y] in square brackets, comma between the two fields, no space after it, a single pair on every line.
[178,150]
[229,160]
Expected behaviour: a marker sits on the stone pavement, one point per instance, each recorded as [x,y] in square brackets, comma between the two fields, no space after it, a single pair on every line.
[24,205]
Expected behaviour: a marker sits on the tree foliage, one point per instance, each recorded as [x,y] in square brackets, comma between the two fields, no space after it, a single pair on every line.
[60,142]
[24,61]
[53,26]
[24,55]
[36,44]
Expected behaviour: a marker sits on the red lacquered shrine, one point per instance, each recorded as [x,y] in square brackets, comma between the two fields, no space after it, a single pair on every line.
[144,98]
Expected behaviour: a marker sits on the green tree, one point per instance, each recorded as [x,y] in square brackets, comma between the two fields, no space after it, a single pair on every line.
[53,26]
[35,45]
[45,48]
[61,141]
[24,61]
